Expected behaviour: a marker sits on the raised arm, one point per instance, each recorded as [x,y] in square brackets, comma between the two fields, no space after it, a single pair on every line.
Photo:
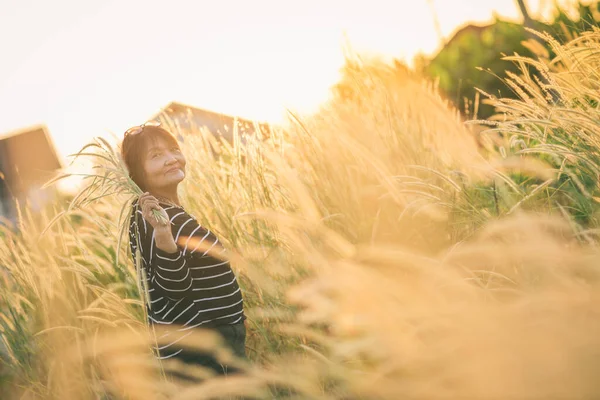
[174,247]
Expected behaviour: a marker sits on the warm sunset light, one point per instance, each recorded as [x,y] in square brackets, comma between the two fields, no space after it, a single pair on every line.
[311,200]
[89,68]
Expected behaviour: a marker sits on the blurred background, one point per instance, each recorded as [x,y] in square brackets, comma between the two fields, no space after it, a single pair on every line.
[85,69]
[409,190]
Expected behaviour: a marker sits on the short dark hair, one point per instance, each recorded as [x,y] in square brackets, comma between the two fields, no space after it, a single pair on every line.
[135,146]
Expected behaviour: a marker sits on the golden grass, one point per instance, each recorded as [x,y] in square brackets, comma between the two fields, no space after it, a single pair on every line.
[382,255]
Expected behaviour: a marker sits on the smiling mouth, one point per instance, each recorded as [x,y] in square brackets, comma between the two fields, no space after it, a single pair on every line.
[173,170]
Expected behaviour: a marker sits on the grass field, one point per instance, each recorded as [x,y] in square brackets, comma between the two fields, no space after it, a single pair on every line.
[385,249]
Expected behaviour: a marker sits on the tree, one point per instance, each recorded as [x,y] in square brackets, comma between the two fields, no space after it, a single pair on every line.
[527,21]
[473,58]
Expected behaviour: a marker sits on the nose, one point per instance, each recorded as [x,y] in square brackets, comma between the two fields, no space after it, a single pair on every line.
[170,159]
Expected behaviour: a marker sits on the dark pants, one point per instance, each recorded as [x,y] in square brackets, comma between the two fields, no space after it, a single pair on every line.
[235,339]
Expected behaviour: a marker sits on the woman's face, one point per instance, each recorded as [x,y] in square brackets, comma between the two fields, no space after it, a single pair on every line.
[164,165]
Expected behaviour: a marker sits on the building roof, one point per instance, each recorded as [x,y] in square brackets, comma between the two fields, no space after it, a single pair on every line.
[193,118]
[28,156]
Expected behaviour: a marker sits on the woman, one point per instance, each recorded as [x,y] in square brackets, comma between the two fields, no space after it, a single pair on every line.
[190,283]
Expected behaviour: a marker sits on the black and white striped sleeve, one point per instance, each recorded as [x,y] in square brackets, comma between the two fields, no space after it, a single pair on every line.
[193,239]
[171,271]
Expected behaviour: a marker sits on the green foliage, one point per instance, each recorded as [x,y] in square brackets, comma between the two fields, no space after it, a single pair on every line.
[474,58]
[456,66]
[382,253]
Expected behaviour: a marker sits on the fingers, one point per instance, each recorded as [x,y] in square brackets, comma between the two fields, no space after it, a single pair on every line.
[146,195]
[146,199]
[148,203]
[151,203]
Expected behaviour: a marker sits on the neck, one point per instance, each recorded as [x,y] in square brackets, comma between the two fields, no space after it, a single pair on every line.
[169,194]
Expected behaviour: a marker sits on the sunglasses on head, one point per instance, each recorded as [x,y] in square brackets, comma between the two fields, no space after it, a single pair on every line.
[140,128]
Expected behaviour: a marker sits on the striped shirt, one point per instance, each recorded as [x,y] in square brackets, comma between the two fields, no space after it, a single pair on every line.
[193,287]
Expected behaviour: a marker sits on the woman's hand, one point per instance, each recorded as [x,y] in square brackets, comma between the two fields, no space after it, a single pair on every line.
[148,203]
[162,230]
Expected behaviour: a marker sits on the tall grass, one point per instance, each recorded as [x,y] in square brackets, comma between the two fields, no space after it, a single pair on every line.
[555,120]
[385,250]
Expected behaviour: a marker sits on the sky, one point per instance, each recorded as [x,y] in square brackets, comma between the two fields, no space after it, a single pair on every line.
[88,68]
